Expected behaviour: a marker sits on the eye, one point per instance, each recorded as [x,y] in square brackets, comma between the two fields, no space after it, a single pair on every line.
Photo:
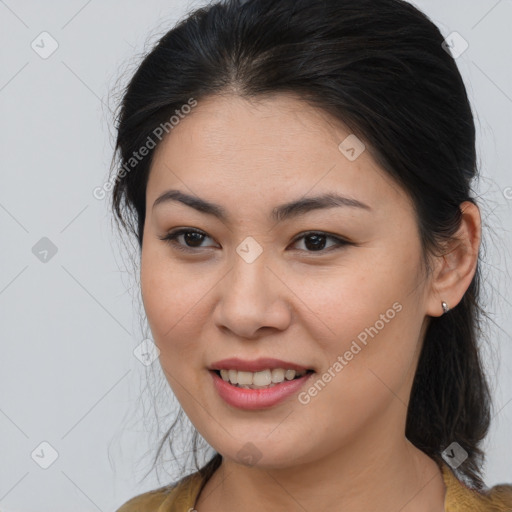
[189,239]
[316,241]
[192,238]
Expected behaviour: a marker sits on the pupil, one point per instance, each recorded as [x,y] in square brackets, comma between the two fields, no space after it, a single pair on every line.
[318,242]
[191,236]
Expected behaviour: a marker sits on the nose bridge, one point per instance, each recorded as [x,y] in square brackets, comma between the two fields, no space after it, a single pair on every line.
[251,297]
[249,275]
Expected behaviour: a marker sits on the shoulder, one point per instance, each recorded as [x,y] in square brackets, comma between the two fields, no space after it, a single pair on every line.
[175,497]
[148,501]
[499,498]
[460,497]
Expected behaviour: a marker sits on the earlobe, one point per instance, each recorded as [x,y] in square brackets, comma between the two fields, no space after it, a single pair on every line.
[456,267]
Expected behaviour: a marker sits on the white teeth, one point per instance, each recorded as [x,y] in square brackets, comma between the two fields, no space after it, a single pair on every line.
[233,376]
[244,378]
[262,379]
[277,375]
[290,374]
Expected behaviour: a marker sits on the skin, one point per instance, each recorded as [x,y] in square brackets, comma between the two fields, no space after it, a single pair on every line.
[345,449]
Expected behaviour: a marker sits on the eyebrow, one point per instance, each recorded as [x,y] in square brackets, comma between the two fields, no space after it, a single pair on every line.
[280,213]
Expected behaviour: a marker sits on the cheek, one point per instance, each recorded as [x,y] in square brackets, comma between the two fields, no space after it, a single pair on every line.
[343,301]
[172,296]
[369,314]
[368,365]
[174,300]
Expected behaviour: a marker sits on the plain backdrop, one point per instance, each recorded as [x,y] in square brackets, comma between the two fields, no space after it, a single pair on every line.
[70,383]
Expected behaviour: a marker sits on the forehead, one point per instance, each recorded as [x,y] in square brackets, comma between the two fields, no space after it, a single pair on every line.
[272,145]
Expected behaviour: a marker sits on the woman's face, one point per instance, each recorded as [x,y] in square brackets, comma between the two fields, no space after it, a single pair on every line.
[254,291]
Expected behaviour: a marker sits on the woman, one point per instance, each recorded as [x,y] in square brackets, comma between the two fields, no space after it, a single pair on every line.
[297,175]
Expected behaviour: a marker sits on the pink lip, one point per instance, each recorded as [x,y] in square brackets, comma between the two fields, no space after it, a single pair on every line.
[257,365]
[252,399]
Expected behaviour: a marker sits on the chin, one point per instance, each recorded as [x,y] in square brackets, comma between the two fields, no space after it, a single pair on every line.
[256,451]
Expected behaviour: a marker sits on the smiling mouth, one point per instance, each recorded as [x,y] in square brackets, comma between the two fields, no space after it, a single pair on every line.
[260,380]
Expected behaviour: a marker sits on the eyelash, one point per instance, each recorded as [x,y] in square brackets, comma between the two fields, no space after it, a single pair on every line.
[172,236]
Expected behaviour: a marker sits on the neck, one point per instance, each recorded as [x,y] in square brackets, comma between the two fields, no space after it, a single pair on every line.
[374,471]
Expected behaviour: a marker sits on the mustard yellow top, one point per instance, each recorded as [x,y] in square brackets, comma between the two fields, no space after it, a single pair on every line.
[459,498]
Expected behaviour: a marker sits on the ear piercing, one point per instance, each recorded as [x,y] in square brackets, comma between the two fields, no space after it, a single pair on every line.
[445,307]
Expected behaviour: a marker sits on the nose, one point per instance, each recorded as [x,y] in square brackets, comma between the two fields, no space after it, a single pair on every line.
[253,300]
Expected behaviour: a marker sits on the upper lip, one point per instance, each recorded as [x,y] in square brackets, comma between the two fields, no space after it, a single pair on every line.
[258,365]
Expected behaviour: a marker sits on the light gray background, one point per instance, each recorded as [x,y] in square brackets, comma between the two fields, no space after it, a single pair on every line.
[68,375]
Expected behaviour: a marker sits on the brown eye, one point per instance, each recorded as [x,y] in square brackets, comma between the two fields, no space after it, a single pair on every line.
[193,238]
[186,239]
[317,241]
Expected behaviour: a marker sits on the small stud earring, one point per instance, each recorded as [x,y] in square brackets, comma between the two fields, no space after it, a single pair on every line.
[445,307]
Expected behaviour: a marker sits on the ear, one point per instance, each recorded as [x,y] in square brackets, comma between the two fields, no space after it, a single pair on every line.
[455,268]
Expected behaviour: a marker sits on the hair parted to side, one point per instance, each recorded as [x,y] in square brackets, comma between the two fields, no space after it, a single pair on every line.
[378,67]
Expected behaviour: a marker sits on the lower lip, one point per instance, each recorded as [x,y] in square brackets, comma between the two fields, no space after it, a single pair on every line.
[251,399]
